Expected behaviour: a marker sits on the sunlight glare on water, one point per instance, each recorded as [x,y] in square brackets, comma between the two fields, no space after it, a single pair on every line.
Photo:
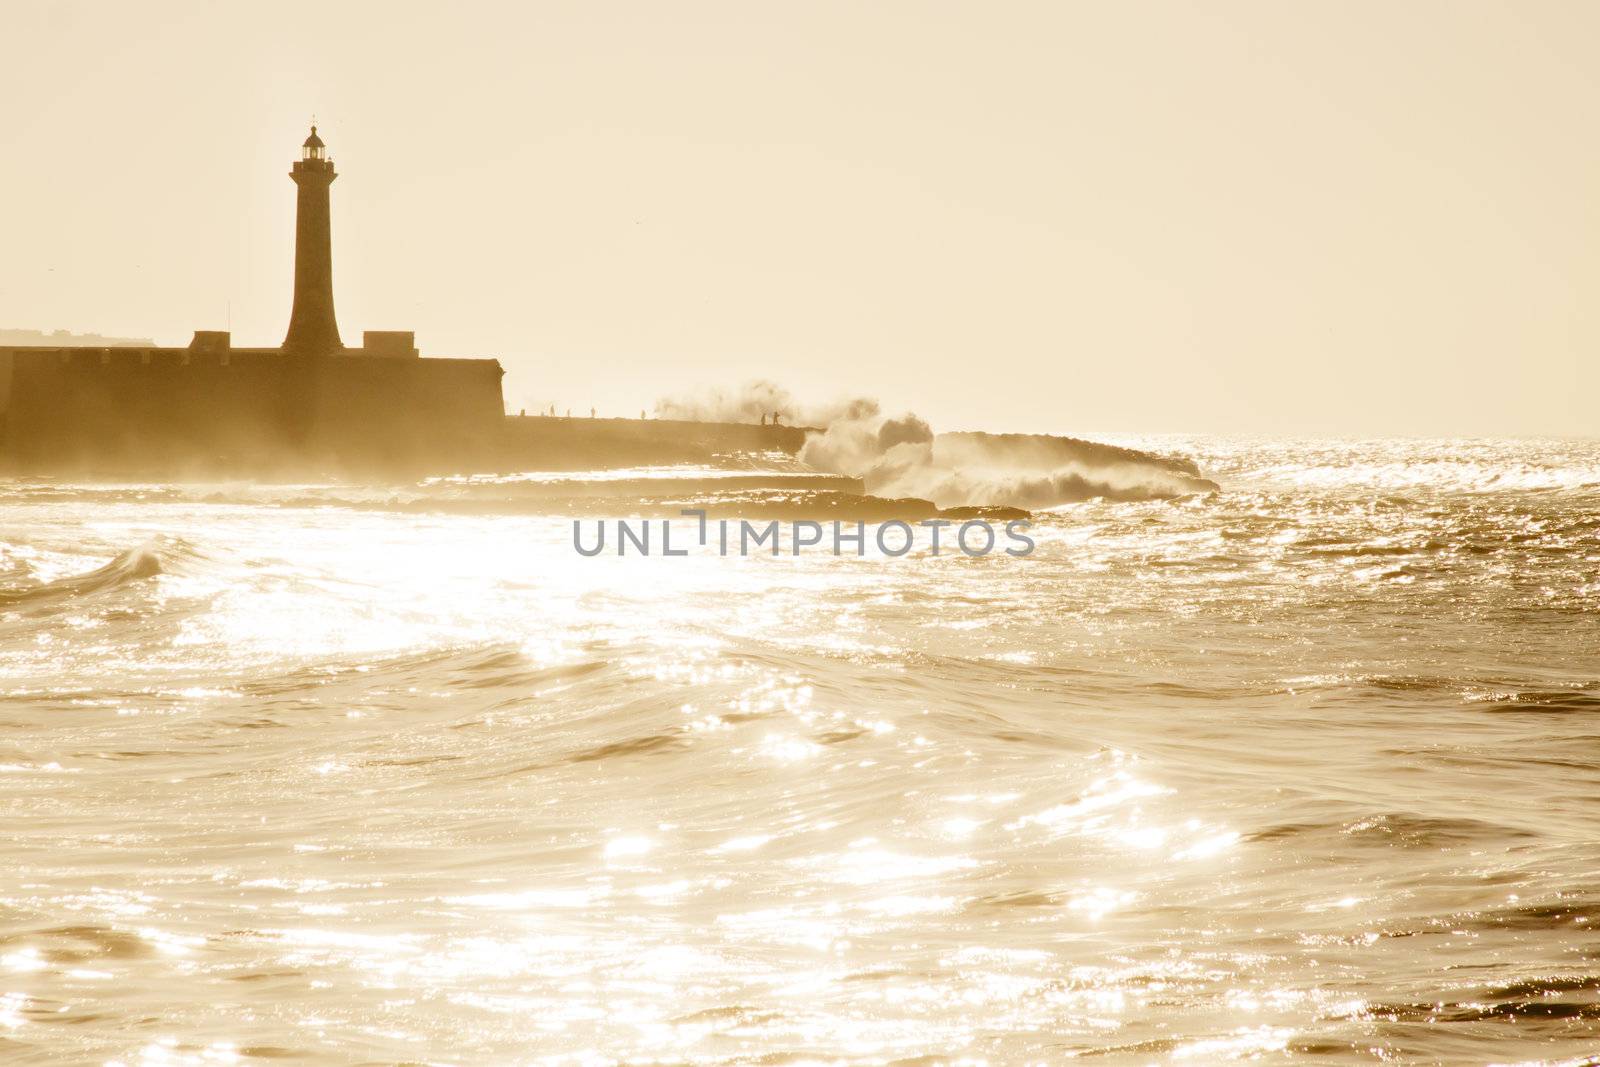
[1300,771]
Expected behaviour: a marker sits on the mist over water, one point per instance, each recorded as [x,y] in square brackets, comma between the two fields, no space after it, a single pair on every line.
[1300,770]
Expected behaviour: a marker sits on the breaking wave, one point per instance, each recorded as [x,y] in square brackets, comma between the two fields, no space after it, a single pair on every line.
[904,457]
[136,564]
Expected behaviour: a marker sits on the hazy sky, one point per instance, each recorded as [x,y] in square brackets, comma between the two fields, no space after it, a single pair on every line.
[1348,217]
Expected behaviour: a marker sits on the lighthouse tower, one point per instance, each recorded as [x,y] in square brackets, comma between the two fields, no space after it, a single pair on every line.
[312,329]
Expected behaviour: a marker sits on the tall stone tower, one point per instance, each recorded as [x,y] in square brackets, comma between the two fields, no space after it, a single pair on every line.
[312,329]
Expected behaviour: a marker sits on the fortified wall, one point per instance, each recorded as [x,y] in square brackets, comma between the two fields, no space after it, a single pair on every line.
[210,409]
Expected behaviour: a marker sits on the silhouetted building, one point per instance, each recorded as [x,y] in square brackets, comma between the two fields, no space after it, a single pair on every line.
[312,327]
[211,406]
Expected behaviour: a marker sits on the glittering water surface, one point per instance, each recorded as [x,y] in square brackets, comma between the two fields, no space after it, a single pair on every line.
[1307,770]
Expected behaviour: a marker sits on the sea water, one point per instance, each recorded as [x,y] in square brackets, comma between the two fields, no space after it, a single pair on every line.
[1304,770]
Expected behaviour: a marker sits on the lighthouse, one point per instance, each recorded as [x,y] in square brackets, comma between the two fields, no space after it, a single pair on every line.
[312,402]
[312,328]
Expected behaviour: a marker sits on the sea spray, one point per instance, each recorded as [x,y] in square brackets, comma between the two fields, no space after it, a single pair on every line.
[903,457]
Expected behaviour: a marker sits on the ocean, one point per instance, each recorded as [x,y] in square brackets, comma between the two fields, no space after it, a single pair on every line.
[1304,770]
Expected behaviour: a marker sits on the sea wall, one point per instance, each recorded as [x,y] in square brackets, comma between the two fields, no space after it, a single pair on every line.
[175,412]
[537,442]
[207,412]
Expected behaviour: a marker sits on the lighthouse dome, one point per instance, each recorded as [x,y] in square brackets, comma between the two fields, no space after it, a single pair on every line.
[313,148]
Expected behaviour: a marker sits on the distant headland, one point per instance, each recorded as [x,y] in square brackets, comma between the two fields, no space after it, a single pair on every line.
[68,339]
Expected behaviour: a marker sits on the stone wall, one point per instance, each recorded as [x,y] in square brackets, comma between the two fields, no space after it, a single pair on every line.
[183,411]
[539,442]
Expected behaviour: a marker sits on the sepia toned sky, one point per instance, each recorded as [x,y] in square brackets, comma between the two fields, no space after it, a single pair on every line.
[1350,217]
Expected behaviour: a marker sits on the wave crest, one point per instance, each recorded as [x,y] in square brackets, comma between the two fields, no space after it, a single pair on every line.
[133,565]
